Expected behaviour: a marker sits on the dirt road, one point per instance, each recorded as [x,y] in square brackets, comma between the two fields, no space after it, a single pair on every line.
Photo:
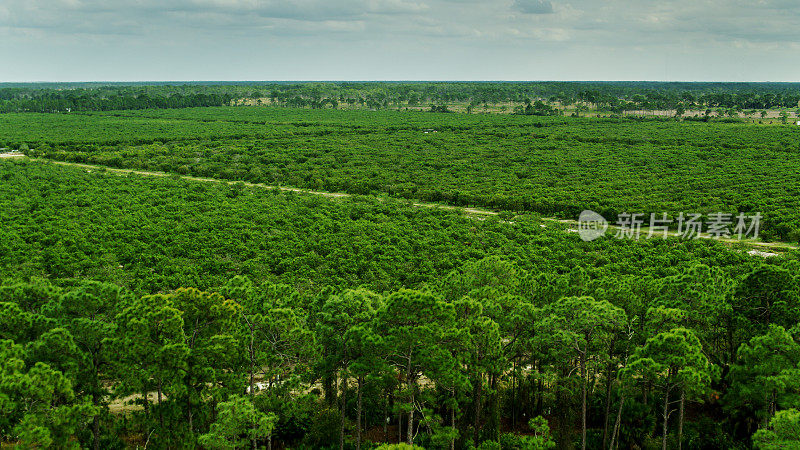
[475,212]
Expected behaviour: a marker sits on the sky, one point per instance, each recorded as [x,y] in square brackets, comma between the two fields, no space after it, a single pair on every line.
[147,40]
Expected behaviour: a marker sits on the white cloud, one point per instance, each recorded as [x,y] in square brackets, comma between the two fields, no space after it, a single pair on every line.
[551,32]
[534,6]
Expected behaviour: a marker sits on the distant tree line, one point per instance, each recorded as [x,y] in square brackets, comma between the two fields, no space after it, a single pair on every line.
[14,100]
[611,96]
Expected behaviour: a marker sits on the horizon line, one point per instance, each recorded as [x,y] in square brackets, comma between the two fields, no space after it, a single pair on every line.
[394,81]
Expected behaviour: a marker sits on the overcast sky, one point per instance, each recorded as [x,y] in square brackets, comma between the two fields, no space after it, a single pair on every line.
[137,40]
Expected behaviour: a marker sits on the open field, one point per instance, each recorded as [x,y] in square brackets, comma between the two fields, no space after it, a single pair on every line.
[770,116]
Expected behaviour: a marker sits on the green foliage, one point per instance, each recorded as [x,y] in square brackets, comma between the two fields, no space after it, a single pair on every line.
[605,96]
[38,404]
[673,359]
[174,313]
[323,430]
[553,166]
[767,374]
[706,432]
[783,432]
[238,424]
[768,295]
[152,352]
[540,439]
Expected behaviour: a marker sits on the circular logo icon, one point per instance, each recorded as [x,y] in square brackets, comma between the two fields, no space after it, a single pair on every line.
[591,225]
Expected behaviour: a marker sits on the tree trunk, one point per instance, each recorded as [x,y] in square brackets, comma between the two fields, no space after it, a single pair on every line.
[252,383]
[386,408]
[583,399]
[410,430]
[358,412]
[478,400]
[96,432]
[617,423]
[146,403]
[768,408]
[494,411]
[189,413]
[328,389]
[680,419]
[609,371]
[399,427]
[514,395]
[96,418]
[773,405]
[343,405]
[563,397]
[607,412]
[453,422]
[539,390]
[666,419]
[160,410]
[252,375]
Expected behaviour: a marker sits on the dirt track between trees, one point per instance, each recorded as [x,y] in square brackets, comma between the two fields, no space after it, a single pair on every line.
[756,248]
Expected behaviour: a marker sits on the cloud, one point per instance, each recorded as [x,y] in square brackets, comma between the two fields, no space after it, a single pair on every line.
[534,6]
[312,10]
[616,34]
[108,16]
[583,22]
